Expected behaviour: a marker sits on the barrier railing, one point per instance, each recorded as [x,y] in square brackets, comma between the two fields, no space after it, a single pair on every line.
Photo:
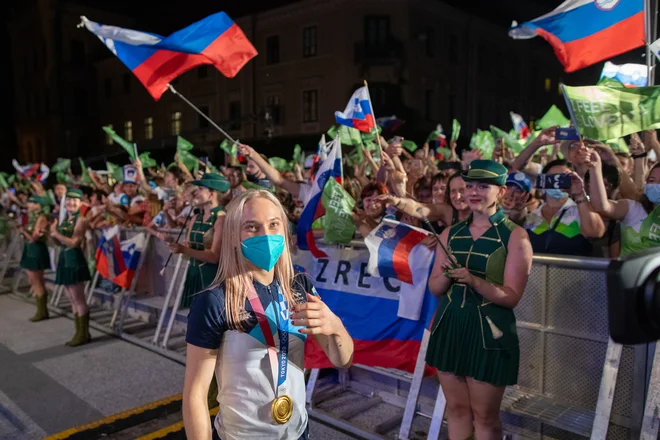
[572,376]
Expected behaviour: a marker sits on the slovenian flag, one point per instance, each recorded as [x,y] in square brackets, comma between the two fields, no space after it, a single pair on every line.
[358,113]
[389,124]
[118,261]
[157,60]
[630,75]
[520,125]
[585,32]
[329,168]
[35,171]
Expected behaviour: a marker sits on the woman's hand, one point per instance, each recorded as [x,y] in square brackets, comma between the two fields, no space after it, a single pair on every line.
[316,317]
[460,275]
[246,150]
[53,228]
[577,185]
[176,248]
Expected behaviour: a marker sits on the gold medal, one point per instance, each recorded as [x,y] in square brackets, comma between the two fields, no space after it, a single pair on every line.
[282,409]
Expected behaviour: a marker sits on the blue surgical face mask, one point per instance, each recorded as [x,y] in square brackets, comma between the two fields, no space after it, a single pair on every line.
[652,191]
[263,250]
[556,194]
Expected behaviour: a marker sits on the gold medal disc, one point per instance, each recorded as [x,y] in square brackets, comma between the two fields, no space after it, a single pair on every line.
[282,409]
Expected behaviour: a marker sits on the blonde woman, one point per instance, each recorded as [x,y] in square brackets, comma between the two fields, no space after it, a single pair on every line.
[249,329]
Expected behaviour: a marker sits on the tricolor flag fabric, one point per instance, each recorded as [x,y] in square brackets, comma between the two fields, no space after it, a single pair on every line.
[118,261]
[35,171]
[585,32]
[358,113]
[520,125]
[655,48]
[630,75]
[157,60]
[329,168]
[390,124]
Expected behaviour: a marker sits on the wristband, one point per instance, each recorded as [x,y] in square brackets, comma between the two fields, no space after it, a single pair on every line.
[639,156]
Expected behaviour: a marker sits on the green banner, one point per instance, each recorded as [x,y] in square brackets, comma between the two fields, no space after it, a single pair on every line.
[61,166]
[483,141]
[3,181]
[508,139]
[339,227]
[128,146]
[230,148]
[147,161]
[85,178]
[279,164]
[183,148]
[115,171]
[298,157]
[455,130]
[409,145]
[553,117]
[604,113]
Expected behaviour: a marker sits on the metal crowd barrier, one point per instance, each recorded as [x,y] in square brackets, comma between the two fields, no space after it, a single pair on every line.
[573,379]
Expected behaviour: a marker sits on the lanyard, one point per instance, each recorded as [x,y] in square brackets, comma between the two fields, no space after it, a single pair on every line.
[278,366]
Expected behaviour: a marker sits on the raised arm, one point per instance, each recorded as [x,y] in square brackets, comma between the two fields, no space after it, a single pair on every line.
[546,137]
[271,173]
[433,212]
[615,210]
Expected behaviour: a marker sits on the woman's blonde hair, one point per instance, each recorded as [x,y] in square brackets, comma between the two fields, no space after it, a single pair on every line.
[233,269]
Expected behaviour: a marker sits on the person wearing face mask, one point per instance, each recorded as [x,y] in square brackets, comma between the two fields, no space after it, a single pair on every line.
[72,269]
[474,343]
[253,172]
[565,222]
[249,330]
[640,220]
[35,258]
[204,236]
[518,193]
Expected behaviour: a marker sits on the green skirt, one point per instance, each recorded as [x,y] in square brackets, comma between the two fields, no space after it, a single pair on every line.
[198,277]
[71,267]
[458,340]
[35,256]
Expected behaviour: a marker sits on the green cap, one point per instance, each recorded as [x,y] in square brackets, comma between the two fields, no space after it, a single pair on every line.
[74,193]
[213,181]
[486,171]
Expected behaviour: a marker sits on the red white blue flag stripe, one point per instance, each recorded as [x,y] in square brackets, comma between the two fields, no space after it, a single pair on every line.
[157,60]
[585,32]
[358,113]
[118,261]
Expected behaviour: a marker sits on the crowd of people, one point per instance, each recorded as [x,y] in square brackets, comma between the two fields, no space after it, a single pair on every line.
[480,208]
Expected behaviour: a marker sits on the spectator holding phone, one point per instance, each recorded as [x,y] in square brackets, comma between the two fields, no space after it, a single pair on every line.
[565,222]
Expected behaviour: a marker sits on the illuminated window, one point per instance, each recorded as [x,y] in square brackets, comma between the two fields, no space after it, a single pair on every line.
[149,128]
[108,139]
[128,131]
[176,123]
[548,84]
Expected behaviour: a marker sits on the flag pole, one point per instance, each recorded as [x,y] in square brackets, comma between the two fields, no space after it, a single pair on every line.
[648,39]
[201,113]
[570,112]
[380,149]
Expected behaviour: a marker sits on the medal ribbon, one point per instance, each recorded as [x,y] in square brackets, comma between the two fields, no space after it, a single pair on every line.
[278,366]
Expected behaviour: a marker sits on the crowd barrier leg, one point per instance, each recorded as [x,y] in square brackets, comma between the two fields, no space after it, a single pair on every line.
[606,391]
[90,288]
[8,256]
[168,298]
[415,387]
[438,415]
[175,309]
[130,292]
[311,385]
[651,419]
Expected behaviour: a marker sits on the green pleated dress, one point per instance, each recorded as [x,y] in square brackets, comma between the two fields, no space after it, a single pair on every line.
[35,255]
[462,338]
[71,266]
[200,274]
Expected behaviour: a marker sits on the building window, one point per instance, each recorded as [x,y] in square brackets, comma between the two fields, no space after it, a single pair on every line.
[108,138]
[203,122]
[309,41]
[274,108]
[273,49]
[149,128]
[77,52]
[429,43]
[235,115]
[127,83]
[376,30]
[176,123]
[128,131]
[108,88]
[310,106]
[453,48]
[428,105]
[203,71]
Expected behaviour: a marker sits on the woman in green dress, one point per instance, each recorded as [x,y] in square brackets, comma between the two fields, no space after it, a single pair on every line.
[204,236]
[35,257]
[474,343]
[72,270]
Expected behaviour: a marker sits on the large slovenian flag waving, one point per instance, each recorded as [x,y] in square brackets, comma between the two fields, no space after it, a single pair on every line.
[37,171]
[329,168]
[157,60]
[585,32]
[118,261]
[358,113]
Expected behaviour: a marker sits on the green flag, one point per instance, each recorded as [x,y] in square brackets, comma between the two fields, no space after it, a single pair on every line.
[507,138]
[115,171]
[128,146]
[230,148]
[147,161]
[553,117]
[61,166]
[455,130]
[51,196]
[279,164]
[298,156]
[618,145]
[370,136]
[347,135]
[11,179]
[64,178]
[3,181]
[339,227]
[85,178]
[610,82]
[483,141]
[183,148]
[409,145]
[604,113]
